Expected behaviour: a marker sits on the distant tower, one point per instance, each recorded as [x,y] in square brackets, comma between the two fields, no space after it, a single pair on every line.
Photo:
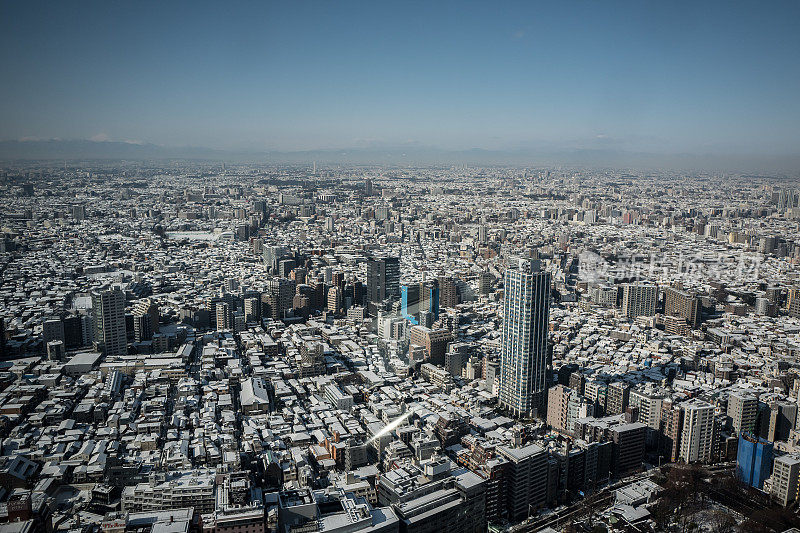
[523,350]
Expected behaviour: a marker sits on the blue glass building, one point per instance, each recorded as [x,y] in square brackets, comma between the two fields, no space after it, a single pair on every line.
[754,460]
[417,297]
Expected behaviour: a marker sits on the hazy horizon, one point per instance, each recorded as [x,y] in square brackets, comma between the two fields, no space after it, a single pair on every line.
[409,156]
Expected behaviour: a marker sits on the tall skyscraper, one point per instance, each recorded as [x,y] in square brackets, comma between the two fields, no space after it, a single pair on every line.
[523,350]
[108,310]
[383,280]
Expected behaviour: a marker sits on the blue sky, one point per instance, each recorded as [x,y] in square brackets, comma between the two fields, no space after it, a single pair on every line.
[668,77]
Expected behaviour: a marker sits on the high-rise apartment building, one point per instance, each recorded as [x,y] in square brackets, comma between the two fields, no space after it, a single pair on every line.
[272,254]
[214,301]
[252,309]
[145,320]
[435,342]
[777,420]
[671,429]
[448,292]
[72,331]
[785,479]
[279,296]
[564,407]
[55,350]
[53,330]
[617,396]
[627,451]
[334,300]
[224,316]
[639,300]
[743,411]
[793,302]
[604,296]
[485,280]
[298,275]
[649,405]
[682,304]
[523,349]
[87,329]
[285,267]
[108,310]
[698,431]
[526,479]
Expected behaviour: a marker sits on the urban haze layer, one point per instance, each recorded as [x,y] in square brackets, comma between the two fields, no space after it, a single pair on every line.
[249,348]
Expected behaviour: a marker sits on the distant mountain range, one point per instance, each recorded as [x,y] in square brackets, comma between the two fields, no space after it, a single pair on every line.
[402,155]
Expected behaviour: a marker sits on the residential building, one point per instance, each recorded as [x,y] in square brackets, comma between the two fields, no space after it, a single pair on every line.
[523,348]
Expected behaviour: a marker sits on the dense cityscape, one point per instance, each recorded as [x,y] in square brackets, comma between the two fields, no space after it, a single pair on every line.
[213,347]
